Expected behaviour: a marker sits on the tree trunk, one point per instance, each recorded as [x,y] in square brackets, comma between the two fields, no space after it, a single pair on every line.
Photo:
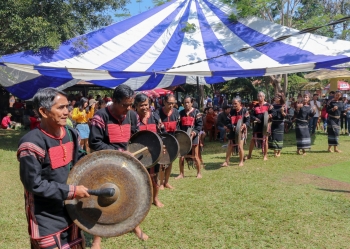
[201,104]
[276,82]
[285,86]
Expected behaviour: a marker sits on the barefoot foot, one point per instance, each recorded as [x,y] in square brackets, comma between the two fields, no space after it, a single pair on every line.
[161,187]
[96,243]
[180,176]
[240,164]
[138,232]
[168,186]
[338,151]
[265,158]
[199,176]
[225,164]
[157,203]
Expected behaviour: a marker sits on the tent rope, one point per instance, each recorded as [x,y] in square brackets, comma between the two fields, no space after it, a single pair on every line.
[281,38]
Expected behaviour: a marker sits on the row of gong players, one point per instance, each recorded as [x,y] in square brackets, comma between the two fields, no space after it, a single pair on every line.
[108,192]
[118,127]
[48,153]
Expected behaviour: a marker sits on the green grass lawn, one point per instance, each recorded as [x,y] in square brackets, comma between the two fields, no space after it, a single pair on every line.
[339,171]
[255,206]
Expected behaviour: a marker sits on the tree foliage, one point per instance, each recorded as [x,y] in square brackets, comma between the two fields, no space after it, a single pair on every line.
[299,14]
[31,24]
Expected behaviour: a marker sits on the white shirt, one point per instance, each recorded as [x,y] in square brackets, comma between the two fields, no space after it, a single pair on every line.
[312,104]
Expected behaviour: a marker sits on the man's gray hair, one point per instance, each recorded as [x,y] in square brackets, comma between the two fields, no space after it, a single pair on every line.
[45,98]
[238,99]
[262,93]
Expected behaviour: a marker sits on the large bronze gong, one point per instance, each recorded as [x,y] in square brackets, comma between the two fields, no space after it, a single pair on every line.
[127,196]
[185,142]
[238,132]
[152,141]
[171,147]
[266,124]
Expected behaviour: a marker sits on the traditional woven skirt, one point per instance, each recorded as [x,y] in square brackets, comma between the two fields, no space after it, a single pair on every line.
[276,138]
[67,239]
[303,135]
[333,130]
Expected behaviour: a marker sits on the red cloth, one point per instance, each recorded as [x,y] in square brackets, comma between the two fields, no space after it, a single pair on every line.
[61,155]
[187,121]
[148,127]
[209,121]
[170,126]
[324,113]
[119,133]
[235,119]
[18,105]
[5,122]
[34,123]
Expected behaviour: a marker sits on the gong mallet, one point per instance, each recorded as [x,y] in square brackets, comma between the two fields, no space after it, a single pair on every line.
[105,192]
[139,151]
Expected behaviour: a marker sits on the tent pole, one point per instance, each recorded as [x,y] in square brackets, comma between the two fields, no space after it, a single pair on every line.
[199,94]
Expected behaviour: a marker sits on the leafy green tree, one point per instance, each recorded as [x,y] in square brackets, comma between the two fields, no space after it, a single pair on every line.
[31,24]
[298,14]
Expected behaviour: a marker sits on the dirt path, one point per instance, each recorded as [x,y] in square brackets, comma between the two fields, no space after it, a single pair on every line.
[322,183]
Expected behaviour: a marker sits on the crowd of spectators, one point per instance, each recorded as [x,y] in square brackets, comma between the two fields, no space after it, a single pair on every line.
[215,112]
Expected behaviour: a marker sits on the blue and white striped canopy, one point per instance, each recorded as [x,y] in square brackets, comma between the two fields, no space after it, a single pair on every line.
[154,50]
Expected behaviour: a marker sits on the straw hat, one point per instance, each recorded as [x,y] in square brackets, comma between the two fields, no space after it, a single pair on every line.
[92,101]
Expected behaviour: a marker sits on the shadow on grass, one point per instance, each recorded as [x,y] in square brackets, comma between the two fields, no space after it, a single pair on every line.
[88,239]
[9,139]
[334,190]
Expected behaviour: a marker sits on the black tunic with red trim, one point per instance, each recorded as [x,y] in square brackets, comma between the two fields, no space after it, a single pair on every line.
[108,132]
[258,113]
[170,121]
[45,162]
[151,124]
[191,120]
[235,116]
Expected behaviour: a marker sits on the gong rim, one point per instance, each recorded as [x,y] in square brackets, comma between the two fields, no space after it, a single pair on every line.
[185,142]
[131,180]
[172,149]
[141,139]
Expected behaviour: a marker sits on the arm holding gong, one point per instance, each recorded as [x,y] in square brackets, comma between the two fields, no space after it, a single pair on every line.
[246,119]
[198,122]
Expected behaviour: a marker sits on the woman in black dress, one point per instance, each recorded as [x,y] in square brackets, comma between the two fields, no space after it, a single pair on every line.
[277,114]
[335,109]
[302,114]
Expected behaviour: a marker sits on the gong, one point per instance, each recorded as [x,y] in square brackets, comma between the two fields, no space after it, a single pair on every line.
[238,132]
[124,192]
[152,141]
[172,149]
[185,142]
[266,124]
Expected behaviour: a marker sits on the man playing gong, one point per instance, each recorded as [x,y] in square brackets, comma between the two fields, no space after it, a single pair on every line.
[111,129]
[237,113]
[169,116]
[149,120]
[191,122]
[46,155]
[257,115]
